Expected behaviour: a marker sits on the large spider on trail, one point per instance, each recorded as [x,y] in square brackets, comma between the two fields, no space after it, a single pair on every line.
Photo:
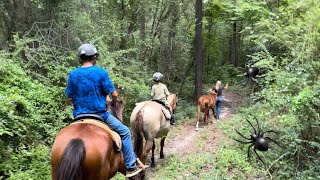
[249,74]
[257,140]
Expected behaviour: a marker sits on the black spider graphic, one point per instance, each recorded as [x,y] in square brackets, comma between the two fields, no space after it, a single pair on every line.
[249,74]
[257,140]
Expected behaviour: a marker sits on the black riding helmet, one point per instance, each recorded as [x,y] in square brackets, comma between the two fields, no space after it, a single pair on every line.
[87,51]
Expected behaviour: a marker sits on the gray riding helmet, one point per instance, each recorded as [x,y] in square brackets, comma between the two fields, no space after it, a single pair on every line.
[157,76]
[87,50]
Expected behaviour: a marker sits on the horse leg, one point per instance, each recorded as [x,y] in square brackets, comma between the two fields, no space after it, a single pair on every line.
[146,151]
[205,117]
[161,147]
[152,157]
[213,111]
[198,116]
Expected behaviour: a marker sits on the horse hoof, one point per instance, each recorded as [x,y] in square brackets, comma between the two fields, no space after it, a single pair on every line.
[162,157]
[153,165]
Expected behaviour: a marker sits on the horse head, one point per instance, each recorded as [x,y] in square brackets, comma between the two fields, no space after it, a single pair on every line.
[212,92]
[116,109]
[172,100]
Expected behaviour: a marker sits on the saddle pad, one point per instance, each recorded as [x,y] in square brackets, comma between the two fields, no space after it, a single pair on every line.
[166,113]
[115,136]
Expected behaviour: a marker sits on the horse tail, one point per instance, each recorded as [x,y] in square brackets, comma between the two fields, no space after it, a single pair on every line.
[71,165]
[138,140]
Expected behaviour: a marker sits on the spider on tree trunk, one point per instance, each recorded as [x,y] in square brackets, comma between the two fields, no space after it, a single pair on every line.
[257,140]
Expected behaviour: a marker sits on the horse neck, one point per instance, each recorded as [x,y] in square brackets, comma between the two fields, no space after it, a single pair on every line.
[212,95]
[171,101]
[117,110]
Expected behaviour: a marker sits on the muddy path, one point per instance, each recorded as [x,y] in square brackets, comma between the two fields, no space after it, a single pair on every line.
[182,139]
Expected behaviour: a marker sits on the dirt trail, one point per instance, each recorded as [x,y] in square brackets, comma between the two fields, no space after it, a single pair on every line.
[182,139]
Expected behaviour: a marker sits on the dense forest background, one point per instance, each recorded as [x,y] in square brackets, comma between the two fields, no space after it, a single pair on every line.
[193,43]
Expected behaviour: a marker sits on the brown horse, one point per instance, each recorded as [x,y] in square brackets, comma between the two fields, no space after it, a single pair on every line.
[205,103]
[84,151]
[148,122]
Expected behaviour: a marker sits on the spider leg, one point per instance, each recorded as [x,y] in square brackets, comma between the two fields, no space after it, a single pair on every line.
[259,130]
[241,82]
[269,131]
[242,135]
[246,81]
[249,151]
[250,80]
[255,131]
[273,141]
[254,80]
[242,141]
[254,149]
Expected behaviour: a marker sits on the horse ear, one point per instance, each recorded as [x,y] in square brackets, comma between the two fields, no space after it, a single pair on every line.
[108,99]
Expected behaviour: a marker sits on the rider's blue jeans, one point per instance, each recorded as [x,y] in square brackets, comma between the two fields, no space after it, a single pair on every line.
[124,132]
[218,106]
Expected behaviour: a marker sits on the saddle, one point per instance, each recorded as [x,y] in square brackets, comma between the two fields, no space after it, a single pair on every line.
[164,108]
[98,121]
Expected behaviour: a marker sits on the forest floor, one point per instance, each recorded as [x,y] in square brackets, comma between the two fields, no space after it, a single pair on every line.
[183,140]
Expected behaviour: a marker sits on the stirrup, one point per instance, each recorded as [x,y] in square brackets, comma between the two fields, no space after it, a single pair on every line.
[130,174]
[140,164]
[172,120]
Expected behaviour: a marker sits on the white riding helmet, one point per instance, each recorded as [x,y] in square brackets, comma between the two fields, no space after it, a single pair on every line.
[157,76]
[87,50]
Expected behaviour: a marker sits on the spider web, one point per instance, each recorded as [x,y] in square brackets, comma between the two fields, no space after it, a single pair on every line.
[48,38]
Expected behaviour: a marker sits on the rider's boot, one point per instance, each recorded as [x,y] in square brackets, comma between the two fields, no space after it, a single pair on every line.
[172,120]
[132,172]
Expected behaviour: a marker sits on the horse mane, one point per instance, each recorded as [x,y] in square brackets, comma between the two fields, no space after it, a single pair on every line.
[71,170]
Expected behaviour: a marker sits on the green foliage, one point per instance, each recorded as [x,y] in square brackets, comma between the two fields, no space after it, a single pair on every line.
[184,111]
[30,114]
[34,163]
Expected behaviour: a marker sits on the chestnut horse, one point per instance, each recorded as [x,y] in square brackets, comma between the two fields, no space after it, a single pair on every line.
[148,122]
[205,103]
[84,151]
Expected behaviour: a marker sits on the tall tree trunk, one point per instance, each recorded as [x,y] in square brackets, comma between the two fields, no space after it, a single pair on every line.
[198,50]
[142,21]
[234,44]
[234,41]
[171,35]
[123,39]
[239,54]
